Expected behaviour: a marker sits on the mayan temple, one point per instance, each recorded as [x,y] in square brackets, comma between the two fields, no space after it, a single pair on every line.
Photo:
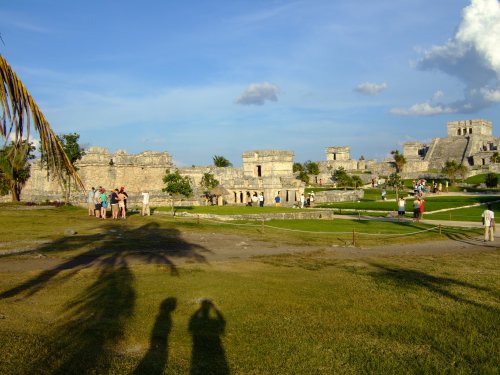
[269,172]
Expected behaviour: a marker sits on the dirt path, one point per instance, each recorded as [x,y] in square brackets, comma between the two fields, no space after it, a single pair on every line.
[216,247]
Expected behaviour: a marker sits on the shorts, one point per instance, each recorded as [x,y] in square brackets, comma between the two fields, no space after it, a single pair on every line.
[121,204]
[401,212]
[97,206]
[104,204]
[416,213]
[91,206]
[114,208]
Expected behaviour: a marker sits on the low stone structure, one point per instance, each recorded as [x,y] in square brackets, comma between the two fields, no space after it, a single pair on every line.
[270,172]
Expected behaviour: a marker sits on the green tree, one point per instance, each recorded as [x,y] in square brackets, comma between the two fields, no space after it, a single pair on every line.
[462,171]
[176,185]
[356,181]
[303,176]
[491,180]
[221,161]
[208,181]
[399,160]
[342,178]
[395,181]
[74,152]
[450,170]
[297,167]
[15,167]
[311,167]
[495,158]
[20,113]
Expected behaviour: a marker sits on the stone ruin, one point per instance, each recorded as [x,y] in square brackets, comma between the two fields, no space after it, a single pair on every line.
[270,172]
[264,171]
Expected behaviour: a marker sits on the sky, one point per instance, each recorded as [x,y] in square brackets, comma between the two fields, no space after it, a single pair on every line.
[221,77]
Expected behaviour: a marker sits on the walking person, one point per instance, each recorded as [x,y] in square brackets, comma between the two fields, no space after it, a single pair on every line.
[416,209]
[302,200]
[401,208]
[90,202]
[261,199]
[277,200]
[488,217]
[422,208]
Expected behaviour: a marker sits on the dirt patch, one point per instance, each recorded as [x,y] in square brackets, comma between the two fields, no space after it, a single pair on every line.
[216,247]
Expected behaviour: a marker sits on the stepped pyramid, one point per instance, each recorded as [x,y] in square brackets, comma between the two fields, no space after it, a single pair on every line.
[469,142]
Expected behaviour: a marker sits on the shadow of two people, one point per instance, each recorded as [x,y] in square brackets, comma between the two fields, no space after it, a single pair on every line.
[206,326]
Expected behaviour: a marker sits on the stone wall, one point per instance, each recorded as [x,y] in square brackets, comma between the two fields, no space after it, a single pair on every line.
[339,196]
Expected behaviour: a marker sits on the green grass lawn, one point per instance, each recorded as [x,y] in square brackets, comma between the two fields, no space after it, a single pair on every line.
[431,203]
[116,302]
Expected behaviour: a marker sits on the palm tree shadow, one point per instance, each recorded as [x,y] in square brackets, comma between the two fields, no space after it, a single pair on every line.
[156,359]
[92,323]
[206,326]
[409,278]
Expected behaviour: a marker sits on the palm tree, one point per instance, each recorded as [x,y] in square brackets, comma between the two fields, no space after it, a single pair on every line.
[19,113]
[399,160]
[221,161]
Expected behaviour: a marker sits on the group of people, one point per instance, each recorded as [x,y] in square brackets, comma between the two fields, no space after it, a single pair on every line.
[99,201]
[309,202]
[256,199]
[418,208]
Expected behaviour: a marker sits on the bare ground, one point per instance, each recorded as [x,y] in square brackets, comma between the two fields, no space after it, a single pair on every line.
[217,247]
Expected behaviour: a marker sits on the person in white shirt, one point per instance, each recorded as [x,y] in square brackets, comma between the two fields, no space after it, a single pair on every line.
[302,200]
[489,224]
[145,204]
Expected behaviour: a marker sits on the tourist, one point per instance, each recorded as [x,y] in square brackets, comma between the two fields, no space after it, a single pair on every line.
[401,208]
[384,195]
[145,204]
[311,199]
[255,199]
[90,202]
[104,203]
[122,199]
[114,204]
[302,200]
[446,184]
[261,199]
[416,209]
[440,187]
[421,208]
[122,190]
[488,217]
[97,202]
[277,200]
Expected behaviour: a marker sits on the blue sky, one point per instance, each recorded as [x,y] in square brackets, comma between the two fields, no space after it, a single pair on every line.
[204,78]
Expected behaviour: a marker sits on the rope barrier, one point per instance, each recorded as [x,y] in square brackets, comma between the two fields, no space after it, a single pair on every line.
[320,232]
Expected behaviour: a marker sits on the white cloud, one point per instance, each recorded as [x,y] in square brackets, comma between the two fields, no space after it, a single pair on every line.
[472,56]
[370,88]
[422,109]
[491,95]
[438,95]
[259,93]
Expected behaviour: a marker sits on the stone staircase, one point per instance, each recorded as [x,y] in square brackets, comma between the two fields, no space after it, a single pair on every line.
[444,149]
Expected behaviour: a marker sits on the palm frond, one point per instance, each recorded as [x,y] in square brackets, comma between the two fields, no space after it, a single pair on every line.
[19,112]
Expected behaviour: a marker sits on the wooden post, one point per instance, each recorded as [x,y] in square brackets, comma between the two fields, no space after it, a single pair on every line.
[198,219]
[262,225]
[439,229]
